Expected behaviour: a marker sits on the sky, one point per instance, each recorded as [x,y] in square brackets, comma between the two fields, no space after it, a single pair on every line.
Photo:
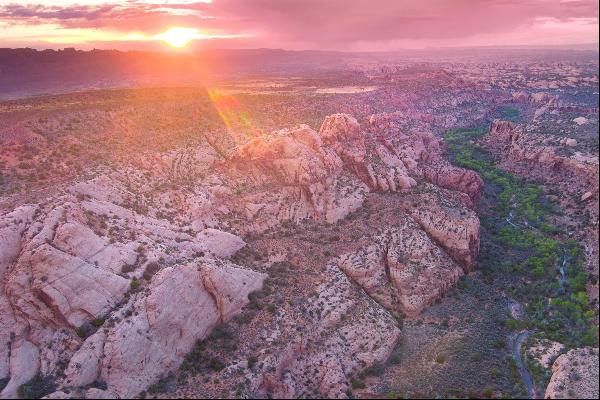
[348,25]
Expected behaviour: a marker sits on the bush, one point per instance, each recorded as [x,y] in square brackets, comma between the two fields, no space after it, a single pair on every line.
[215,364]
[357,384]
[159,386]
[252,361]
[495,373]
[98,322]
[135,284]
[374,370]
[85,330]
[4,382]
[38,387]
[151,269]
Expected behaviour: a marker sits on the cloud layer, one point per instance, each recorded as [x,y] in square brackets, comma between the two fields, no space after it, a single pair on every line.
[319,24]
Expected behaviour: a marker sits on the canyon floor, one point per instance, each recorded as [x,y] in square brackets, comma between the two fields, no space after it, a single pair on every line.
[396,233]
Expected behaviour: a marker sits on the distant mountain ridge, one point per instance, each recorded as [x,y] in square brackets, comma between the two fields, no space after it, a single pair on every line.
[25,71]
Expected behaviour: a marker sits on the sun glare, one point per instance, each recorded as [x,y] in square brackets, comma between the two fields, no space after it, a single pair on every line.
[180,37]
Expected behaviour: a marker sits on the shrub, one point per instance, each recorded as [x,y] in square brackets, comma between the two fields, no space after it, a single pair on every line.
[151,269]
[4,382]
[98,322]
[85,330]
[127,268]
[374,370]
[215,364]
[495,373]
[135,284]
[37,387]
[252,361]
[159,386]
[357,384]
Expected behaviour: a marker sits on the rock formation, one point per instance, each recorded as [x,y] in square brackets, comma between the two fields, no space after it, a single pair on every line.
[574,375]
[114,279]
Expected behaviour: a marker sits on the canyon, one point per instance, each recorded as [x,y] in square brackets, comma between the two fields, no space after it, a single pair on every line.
[279,235]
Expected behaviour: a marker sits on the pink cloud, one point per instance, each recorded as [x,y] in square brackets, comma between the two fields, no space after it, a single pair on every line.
[332,24]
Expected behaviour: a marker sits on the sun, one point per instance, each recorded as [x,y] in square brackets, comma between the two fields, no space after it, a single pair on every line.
[180,37]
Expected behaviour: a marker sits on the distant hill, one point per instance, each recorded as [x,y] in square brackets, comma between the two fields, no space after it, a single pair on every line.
[26,72]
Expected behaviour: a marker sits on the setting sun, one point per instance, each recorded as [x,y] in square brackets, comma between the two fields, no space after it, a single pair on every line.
[180,37]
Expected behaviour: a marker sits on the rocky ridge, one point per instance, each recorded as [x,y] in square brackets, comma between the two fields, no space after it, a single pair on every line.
[94,278]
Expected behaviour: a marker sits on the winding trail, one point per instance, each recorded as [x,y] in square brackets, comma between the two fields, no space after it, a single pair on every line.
[517,343]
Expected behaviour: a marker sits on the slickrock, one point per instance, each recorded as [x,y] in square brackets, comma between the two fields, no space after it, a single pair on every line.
[117,278]
[60,274]
[404,270]
[184,300]
[574,375]
[342,332]
[308,178]
[539,98]
[222,244]
[516,147]
[580,120]
[326,175]
[454,227]
[453,178]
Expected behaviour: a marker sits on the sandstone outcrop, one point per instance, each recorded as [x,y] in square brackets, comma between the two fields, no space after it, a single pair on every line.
[404,270]
[117,279]
[514,146]
[455,227]
[184,304]
[538,98]
[342,333]
[574,375]
[327,174]
[62,276]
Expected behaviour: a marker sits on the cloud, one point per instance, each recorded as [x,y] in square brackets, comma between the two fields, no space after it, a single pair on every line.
[332,24]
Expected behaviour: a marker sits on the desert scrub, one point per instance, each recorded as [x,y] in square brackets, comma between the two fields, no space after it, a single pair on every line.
[37,387]
[4,382]
[357,383]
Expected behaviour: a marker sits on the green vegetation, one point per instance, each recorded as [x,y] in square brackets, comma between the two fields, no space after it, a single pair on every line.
[357,384]
[134,284]
[37,387]
[160,386]
[519,237]
[4,382]
[509,113]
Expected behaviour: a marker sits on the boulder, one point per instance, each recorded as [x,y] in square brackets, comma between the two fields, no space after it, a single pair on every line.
[221,244]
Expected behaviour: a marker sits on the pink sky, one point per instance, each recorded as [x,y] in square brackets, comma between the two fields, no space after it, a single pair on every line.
[365,25]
